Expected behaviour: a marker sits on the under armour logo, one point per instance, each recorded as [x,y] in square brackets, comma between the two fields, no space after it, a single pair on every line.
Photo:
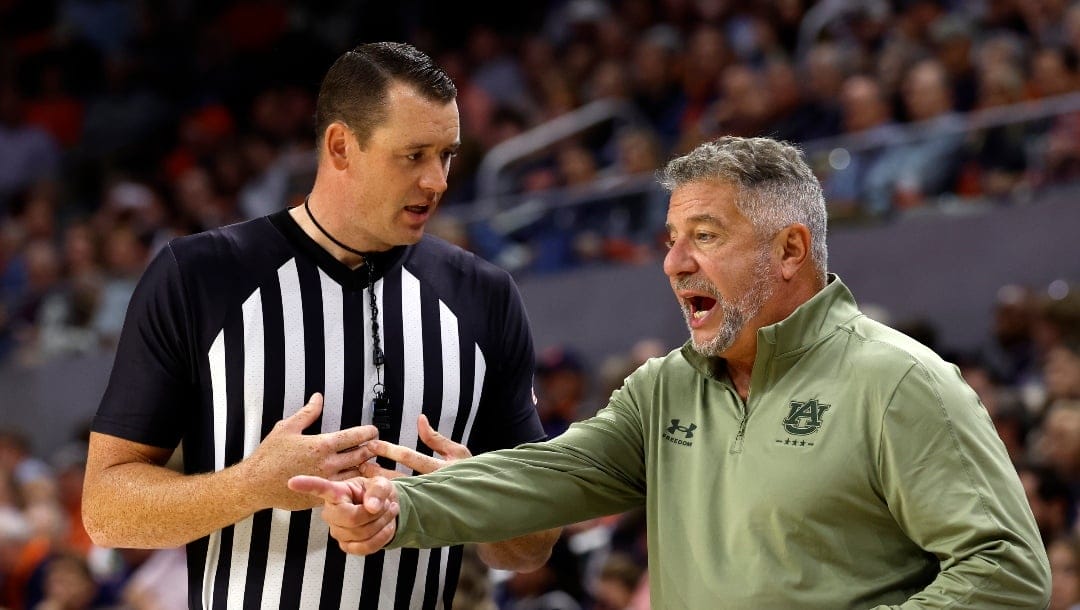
[688,431]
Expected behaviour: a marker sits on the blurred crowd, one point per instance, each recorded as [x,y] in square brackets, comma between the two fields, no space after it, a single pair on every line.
[125,123]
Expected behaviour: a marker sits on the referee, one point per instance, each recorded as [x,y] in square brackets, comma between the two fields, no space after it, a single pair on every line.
[343,299]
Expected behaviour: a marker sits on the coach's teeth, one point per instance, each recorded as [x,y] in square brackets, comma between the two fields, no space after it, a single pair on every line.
[700,314]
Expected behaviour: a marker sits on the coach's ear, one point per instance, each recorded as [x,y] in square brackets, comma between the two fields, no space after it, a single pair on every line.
[793,245]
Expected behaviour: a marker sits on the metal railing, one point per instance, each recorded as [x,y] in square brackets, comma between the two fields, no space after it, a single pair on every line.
[541,137]
[509,212]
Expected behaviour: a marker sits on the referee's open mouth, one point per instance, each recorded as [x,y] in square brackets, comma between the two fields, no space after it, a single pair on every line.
[420,212]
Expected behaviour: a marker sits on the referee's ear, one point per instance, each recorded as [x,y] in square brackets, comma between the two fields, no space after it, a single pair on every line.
[337,143]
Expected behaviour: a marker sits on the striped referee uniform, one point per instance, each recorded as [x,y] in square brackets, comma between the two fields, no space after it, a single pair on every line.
[231,330]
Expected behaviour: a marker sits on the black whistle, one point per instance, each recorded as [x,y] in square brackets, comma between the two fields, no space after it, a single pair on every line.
[381,416]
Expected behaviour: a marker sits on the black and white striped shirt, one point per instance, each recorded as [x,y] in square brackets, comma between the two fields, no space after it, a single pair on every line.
[231,330]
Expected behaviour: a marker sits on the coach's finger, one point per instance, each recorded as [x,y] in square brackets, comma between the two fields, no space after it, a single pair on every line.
[403,455]
[361,531]
[333,492]
[376,542]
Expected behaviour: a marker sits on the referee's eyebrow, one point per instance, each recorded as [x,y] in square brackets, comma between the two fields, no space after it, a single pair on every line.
[417,146]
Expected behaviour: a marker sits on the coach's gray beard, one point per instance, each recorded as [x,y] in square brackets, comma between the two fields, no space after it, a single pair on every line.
[736,313]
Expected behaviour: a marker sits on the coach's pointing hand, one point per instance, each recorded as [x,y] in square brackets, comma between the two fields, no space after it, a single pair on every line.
[287,452]
[362,513]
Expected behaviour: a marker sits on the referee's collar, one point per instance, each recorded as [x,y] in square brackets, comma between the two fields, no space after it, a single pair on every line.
[381,262]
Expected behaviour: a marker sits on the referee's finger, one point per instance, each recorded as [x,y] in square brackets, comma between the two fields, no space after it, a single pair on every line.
[438,442]
[372,469]
[350,438]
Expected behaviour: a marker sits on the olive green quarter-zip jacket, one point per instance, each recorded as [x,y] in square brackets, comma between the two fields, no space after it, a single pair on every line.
[862,472]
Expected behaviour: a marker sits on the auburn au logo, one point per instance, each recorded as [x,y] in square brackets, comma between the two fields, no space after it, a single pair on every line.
[805,417]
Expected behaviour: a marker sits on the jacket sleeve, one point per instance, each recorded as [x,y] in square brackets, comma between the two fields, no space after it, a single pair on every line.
[597,467]
[950,485]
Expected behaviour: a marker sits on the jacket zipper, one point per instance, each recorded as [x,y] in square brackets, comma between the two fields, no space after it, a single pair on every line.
[737,445]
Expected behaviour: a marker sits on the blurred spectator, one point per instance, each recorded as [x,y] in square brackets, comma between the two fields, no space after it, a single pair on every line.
[69,585]
[158,581]
[1060,443]
[561,389]
[1062,373]
[865,116]
[556,586]
[1053,73]
[54,108]
[29,551]
[995,159]
[107,24]
[64,322]
[1049,499]
[69,464]
[909,173]
[656,74]
[125,258]
[1004,405]
[31,476]
[706,57]
[474,590]
[1064,555]
[275,183]
[634,222]
[615,585]
[30,154]
[617,367]
[822,73]
[121,120]
[14,535]
[610,79]
[494,70]
[741,110]
[1010,353]
[1057,321]
[42,263]
[953,45]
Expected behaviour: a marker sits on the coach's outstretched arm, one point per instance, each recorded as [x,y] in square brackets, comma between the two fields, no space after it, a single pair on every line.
[521,554]
[595,468]
[131,500]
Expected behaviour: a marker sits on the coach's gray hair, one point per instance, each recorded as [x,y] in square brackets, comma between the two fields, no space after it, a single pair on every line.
[776,187]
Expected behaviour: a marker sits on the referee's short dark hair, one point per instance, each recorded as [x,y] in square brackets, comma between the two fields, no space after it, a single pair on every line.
[354,90]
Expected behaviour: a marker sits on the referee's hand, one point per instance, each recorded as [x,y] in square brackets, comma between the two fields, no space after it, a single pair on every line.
[362,513]
[446,450]
[287,452]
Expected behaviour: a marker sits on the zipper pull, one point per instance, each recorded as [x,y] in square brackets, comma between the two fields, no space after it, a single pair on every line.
[737,446]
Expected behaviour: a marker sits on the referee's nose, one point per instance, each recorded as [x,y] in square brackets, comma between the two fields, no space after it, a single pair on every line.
[433,177]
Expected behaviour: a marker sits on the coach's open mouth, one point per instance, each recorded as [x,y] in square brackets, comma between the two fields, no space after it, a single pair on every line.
[700,306]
